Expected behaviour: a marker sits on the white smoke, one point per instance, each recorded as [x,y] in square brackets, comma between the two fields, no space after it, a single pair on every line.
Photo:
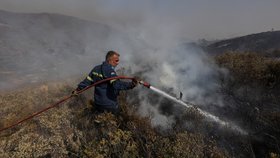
[151,43]
[167,64]
[154,48]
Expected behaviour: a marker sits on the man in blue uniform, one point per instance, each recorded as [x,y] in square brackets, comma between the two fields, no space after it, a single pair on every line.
[105,94]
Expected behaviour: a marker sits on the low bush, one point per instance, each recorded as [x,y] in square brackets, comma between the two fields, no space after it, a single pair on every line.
[249,68]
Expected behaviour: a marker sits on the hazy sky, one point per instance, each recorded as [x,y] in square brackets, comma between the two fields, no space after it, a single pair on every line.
[210,19]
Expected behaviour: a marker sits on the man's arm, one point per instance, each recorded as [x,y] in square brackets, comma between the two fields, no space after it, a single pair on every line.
[120,85]
[86,82]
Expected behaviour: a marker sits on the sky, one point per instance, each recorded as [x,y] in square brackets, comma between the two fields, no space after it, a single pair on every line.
[196,19]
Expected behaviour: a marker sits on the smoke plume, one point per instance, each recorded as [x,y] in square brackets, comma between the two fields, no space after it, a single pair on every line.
[154,48]
[151,42]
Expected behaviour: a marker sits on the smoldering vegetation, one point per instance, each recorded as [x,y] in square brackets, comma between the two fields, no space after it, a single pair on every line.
[75,130]
[252,91]
[249,85]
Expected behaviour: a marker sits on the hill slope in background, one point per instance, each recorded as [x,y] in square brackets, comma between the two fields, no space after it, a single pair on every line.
[266,43]
[45,44]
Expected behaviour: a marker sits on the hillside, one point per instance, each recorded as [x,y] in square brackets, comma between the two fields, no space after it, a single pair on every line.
[266,43]
[251,88]
[40,46]
[74,129]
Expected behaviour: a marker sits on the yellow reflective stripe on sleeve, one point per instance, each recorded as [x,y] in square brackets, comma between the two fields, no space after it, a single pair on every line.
[89,78]
[97,74]
[111,81]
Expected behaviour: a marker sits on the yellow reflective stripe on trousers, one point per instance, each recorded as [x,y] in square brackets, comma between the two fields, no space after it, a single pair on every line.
[89,78]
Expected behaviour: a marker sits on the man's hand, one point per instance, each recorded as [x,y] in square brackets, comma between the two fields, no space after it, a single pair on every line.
[134,82]
[74,93]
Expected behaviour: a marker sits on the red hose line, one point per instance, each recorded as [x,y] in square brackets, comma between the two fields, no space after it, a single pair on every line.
[62,100]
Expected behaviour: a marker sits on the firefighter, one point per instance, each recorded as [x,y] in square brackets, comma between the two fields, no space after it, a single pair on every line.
[105,94]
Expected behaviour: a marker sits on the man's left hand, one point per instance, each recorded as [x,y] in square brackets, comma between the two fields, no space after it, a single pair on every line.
[134,82]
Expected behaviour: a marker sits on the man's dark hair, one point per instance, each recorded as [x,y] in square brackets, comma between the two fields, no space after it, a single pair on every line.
[110,54]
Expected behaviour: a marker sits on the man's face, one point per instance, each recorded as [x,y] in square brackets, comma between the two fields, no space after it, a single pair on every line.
[114,60]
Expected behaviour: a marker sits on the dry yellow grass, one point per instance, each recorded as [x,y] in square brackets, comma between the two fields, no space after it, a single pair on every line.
[71,131]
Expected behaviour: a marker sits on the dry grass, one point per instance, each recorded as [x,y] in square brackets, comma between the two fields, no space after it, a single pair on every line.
[71,130]
[21,103]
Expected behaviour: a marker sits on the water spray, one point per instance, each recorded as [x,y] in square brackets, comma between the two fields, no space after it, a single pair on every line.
[204,113]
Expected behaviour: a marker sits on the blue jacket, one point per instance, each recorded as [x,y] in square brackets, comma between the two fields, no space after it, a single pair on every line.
[105,94]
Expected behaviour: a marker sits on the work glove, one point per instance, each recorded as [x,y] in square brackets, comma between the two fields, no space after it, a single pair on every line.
[134,82]
[74,93]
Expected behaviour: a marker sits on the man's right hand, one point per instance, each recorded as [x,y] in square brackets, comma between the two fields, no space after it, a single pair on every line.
[74,93]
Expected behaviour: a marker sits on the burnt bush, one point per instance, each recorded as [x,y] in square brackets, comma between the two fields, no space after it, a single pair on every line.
[251,87]
[249,68]
[250,76]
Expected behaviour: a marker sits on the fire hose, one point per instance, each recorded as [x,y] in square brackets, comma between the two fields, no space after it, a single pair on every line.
[67,98]
[145,84]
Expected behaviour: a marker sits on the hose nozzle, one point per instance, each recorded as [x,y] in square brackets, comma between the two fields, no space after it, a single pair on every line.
[145,84]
